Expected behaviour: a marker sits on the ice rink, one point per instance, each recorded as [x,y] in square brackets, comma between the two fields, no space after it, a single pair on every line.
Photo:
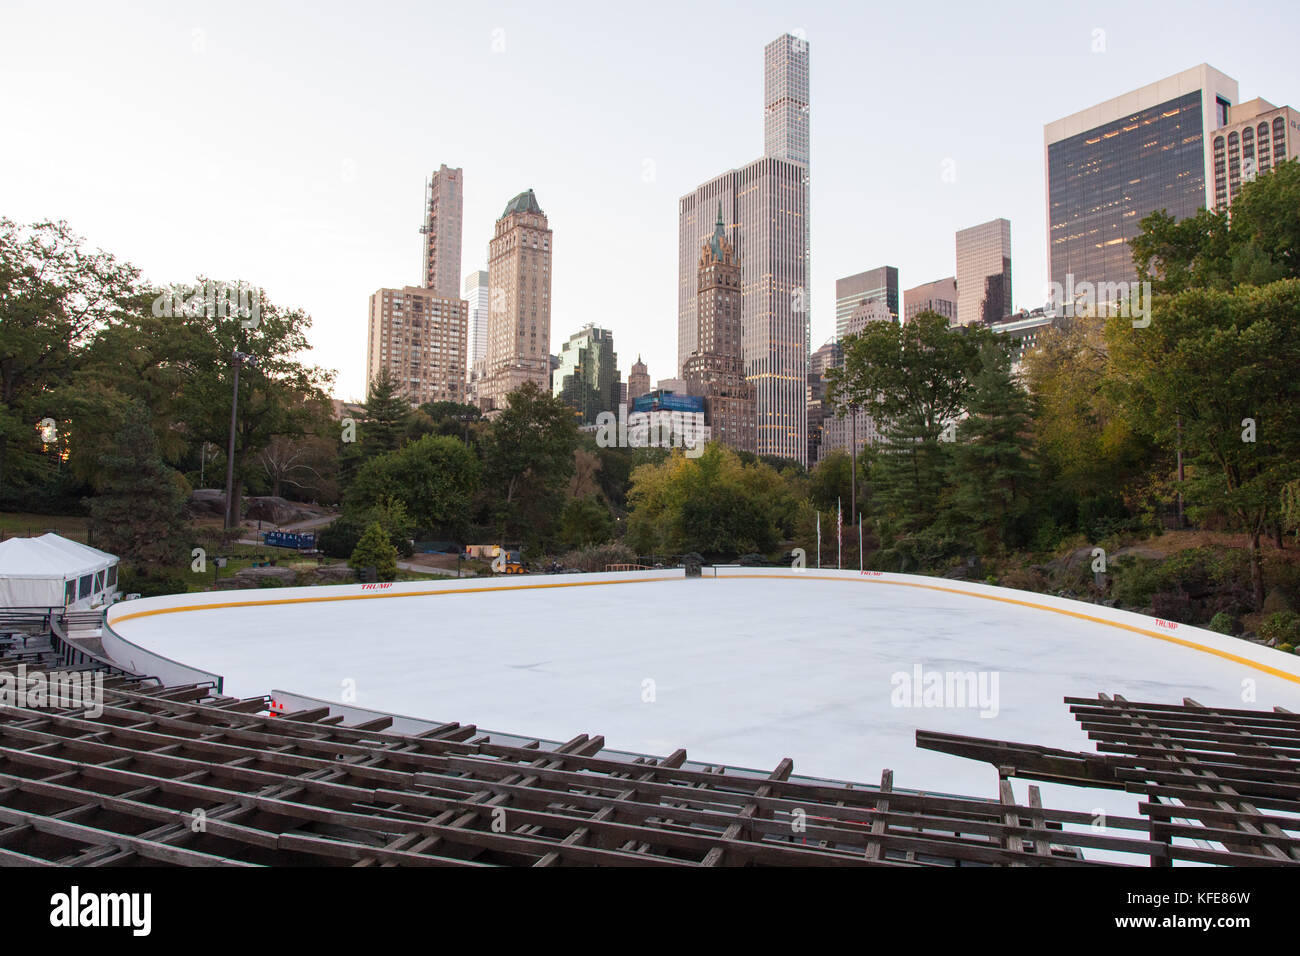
[744,669]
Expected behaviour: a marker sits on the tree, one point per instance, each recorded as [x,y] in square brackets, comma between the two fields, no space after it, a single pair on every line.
[54,295]
[137,514]
[913,379]
[387,414]
[278,394]
[585,521]
[991,469]
[1216,371]
[434,478]
[528,458]
[1257,241]
[715,504]
[374,550]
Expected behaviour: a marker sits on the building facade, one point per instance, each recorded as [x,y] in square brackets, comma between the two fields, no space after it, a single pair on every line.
[444,204]
[852,291]
[1025,331]
[638,380]
[765,217]
[842,426]
[827,357]
[1257,136]
[519,296]
[939,296]
[420,338]
[1109,166]
[475,291]
[587,379]
[984,273]
[716,371]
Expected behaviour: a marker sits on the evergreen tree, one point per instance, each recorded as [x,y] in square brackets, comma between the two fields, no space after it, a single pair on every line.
[387,414]
[991,471]
[374,550]
[137,513]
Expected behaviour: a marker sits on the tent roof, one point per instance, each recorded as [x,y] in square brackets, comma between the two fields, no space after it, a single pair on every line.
[49,557]
[77,549]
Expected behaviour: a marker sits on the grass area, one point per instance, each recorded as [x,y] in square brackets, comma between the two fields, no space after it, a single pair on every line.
[239,556]
[26,525]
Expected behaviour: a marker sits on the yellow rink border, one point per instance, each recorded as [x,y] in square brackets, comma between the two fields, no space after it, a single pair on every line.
[1168,638]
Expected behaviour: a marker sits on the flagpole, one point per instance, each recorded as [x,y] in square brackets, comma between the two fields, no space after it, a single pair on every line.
[839,535]
[861,566]
[819,540]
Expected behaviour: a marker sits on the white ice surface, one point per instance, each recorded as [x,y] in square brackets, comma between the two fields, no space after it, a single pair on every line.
[746,671]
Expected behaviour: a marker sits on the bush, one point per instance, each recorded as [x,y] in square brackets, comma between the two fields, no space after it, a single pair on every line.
[150,581]
[1225,623]
[1191,585]
[1283,627]
[339,538]
[1289,648]
[596,557]
[374,550]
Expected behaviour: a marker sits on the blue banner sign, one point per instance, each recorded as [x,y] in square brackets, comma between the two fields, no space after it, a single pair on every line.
[290,539]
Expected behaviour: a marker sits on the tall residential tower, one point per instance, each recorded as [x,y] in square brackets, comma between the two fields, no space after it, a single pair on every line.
[444,203]
[519,315]
[765,219]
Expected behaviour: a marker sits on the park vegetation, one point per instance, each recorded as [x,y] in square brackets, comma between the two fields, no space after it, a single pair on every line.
[113,411]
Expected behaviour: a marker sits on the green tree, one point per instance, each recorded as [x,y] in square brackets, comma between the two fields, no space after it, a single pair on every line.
[992,474]
[374,550]
[1258,242]
[585,521]
[914,380]
[1215,370]
[278,394]
[434,478]
[387,414]
[528,458]
[715,504]
[137,513]
[54,295]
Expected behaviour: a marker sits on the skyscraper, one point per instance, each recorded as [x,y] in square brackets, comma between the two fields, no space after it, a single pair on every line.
[475,291]
[716,371]
[638,380]
[420,338]
[519,316]
[984,273]
[444,206]
[1111,165]
[587,378]
[765,219]
[939,296]
[853,291]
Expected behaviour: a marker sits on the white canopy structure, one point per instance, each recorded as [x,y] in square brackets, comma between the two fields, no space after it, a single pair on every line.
[51,571]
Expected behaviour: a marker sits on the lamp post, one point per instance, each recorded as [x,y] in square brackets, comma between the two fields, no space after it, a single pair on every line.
[231,507]
[853,463]
[467,419]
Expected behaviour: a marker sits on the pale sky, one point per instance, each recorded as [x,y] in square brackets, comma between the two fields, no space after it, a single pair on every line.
[288,145]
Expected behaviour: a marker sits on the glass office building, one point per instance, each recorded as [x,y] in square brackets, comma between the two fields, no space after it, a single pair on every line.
[1110,166]
[853,291]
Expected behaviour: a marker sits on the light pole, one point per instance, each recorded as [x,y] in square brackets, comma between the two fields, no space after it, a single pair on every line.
[231,508]
[853,463]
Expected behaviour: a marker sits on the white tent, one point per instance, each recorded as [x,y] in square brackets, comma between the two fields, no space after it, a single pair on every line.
[51,571]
